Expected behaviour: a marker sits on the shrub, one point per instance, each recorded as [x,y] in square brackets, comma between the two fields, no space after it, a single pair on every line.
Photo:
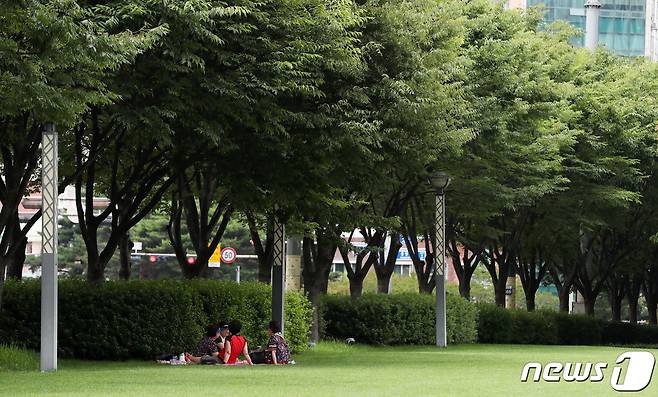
[494,324]
[462,320]
[574,329]
[141,319]
[626,333]
[499,325]
[396,319]
[533,327]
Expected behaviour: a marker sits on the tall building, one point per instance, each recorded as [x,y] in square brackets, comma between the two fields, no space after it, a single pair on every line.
[627,27]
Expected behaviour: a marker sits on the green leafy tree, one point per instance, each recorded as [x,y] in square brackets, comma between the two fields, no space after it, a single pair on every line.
[521,120]
[55,57]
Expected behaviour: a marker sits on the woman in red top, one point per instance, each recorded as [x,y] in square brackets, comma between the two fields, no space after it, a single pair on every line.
[236,345]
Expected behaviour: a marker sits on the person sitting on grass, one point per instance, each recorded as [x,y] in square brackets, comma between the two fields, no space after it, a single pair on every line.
[221,340]
[236,345]
[277,350]
[207,349]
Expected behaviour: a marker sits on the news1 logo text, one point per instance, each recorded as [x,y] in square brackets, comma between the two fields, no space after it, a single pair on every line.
[635,377]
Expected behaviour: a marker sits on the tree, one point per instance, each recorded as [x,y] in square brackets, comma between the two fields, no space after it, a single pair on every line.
[41,41]
[613,156]
[514,82]
[415,101]
[268,91]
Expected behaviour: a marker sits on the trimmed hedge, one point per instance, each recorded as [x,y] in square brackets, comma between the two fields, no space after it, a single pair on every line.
[141,319]
[409,319]
[396,319]
[499,325]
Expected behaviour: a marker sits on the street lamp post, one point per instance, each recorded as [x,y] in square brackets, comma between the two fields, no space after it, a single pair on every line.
[439,181]
[279,272]
[49,192]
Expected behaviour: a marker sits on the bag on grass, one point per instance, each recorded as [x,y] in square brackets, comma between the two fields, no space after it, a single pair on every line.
[257,357]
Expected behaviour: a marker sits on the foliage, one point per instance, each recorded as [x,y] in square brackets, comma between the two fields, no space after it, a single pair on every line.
[119,320]
[498,325]
[14,358]
[396,319]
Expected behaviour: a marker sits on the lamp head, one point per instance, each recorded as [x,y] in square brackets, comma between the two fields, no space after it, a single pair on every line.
[439,180]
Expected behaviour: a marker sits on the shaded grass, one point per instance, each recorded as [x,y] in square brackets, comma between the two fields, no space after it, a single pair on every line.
[331,370]
[13,358]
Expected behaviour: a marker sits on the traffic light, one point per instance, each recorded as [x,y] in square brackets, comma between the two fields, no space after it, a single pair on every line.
[153,258]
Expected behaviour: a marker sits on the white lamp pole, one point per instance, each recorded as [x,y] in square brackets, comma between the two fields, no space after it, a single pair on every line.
[49,191]
[592,13]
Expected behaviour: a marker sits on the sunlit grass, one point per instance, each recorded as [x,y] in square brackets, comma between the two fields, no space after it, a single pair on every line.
[331,369]
[13,358]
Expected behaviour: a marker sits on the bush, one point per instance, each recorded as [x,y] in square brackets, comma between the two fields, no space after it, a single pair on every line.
[626,333]
[141,319]
[533,327]
[499,325]
[395,319]
[494,324]
[578,329]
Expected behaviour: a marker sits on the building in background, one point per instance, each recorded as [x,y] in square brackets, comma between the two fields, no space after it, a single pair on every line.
[627,27]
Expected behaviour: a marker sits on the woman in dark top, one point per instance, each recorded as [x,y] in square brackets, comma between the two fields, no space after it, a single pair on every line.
[277,350]
[207,346]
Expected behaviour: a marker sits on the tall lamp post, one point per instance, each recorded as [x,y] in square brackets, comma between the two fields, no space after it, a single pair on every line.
[49,192]
[439,181]
[279,272]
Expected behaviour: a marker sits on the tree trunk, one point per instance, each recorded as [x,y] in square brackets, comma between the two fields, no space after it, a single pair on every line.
[633,296]
[465,288]
[17,244]
[632,311]
[384,284]
[425,288]
[2,280]
[264,251]
[356,287]
[15,263]
[385,267]
[314,294]
[617,286]
[653,318]
[615,306]
[499,290]
[530,302]
[358,271]
[589,305]
[125,248]
[563,295]
[265,271]
[317,261]
[652,305]
[95,272]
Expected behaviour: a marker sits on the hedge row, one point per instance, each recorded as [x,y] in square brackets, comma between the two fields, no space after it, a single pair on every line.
[410,319]
[396,319]
[499,325]
[141,319]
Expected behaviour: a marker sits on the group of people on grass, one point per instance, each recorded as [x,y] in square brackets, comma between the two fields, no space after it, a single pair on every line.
[223,344]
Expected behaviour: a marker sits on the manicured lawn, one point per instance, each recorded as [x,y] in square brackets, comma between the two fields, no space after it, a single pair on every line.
[331,370]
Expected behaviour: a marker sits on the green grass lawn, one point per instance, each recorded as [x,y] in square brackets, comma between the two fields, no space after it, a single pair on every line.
[330,370]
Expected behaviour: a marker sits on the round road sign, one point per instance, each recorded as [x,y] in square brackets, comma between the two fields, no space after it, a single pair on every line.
[229,255]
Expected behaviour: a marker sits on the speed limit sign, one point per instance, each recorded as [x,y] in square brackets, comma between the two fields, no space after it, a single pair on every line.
[229,255]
